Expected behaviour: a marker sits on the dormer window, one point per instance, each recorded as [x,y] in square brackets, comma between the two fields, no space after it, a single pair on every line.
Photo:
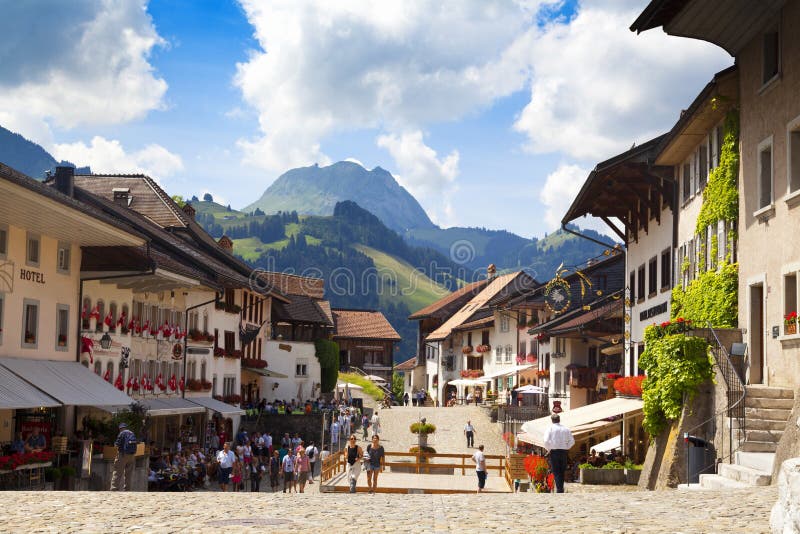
[122,196]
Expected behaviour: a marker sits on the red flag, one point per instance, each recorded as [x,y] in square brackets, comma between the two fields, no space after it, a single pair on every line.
[173,383]
[107,376]
[135,384]
[160,382]
[122,320]
[129,385]
[95,314]
[109,320]
[87,345]
[182,385]
[118,382]
[132,324]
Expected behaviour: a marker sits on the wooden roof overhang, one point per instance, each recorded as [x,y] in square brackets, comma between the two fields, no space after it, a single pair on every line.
[628,188]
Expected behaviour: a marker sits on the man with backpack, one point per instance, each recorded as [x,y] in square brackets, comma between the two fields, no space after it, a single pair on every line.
[312,452]
[126,443]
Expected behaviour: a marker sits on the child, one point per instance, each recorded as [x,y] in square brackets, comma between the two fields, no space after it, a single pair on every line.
[236,475]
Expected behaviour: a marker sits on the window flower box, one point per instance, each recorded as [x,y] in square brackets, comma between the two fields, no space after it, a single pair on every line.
[790,323]
[254,363]
[483,348]
[467,350]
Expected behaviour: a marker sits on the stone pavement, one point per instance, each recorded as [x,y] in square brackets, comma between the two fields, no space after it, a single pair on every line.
[594,509]
[449,436]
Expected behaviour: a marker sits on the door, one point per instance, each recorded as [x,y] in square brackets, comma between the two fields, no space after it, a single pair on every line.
[756,331]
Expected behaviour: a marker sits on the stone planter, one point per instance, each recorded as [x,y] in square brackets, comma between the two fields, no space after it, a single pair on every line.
[632,476]
[603,476]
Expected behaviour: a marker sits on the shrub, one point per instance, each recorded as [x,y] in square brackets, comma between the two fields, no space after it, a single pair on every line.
[613,465]
[52,474]
[422,428]
[587,465]
[68,471]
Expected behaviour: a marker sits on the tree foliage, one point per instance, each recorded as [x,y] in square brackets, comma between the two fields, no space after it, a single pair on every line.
[327,353]
[713,297]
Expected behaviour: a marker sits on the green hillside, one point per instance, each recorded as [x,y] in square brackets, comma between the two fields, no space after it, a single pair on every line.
[401,280]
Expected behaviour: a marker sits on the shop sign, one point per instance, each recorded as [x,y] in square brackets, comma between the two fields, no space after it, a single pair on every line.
[653,311]
[557,295]
[516,466]
[557,407]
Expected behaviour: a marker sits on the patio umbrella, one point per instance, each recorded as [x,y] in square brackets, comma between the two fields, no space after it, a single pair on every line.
[530,389]
[342,385]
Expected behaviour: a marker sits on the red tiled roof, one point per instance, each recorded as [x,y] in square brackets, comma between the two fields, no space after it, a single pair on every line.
[362,324]
[407,365]
[469,289]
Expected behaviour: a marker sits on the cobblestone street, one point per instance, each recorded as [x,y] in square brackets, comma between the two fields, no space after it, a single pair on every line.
[589,510]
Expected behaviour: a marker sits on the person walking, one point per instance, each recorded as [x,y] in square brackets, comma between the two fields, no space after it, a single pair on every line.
[225,458]
[469,431]
[375,458]
[354,455]
[288,472]
[558,440]
[376,423]
[480,467]
[302,466]
[365,427]
[274,470]
[313,455]
[124,463]
[405,398]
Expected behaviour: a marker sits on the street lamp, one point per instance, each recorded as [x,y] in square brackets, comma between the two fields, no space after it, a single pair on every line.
[105,341]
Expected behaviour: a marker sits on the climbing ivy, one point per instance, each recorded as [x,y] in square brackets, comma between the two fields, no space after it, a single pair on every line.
[676,364]
[712,297]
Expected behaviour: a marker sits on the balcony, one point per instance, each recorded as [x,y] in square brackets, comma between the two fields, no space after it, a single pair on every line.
[583,377]
[228,307]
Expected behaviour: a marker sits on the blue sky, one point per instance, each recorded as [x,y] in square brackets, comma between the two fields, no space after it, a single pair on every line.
[491,113]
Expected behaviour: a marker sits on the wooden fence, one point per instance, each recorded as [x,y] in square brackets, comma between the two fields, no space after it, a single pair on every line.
[420,463]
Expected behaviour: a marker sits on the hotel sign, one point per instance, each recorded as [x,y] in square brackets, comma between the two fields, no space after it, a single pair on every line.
[31,276]
[653,312]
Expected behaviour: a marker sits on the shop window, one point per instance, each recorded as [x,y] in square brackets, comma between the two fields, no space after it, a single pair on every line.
[666,268]
[3,241]
[62,327]
[32,257]
[771,56]
[652,276]
[765,173]
[30,323]
[63,257]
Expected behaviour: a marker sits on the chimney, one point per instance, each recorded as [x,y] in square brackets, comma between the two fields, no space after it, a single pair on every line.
[65,180]
[225,243]
[491,271]
[189,210]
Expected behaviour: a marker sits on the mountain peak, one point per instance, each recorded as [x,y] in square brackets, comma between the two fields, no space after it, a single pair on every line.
[316,190]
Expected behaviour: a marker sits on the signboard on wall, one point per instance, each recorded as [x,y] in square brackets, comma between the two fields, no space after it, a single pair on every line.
[516,466]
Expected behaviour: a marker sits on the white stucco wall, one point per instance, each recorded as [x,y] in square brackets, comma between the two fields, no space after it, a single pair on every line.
[285,362]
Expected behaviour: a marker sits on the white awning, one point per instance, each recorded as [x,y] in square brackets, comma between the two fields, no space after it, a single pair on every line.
[16,393]
[224,409]
[468,382]
[582,419]
[171,406]
[508,371]
[70,383]
[609,444]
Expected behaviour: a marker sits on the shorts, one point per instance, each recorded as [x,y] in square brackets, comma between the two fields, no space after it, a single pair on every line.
[236,479]
[481,479]
[224,475]
[302,476]
[369,467]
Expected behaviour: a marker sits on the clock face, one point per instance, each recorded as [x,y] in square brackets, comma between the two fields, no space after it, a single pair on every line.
[557,295]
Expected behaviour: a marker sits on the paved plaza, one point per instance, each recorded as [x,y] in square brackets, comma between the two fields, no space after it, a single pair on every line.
[596,510]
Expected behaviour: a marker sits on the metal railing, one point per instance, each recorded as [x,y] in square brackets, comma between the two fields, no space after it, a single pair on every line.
[734,412]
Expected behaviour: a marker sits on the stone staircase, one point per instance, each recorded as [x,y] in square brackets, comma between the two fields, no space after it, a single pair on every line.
[767,410]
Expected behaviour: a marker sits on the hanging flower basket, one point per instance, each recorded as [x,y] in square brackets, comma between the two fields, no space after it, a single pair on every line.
[467,350]
[483,348]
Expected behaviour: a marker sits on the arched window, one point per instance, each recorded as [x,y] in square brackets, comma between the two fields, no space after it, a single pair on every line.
[98,367]
[110,371]
[85,311]
[112,309]
[101,309]
[203,370]
[205,321]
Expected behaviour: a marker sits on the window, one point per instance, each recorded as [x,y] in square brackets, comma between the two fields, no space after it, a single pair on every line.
[34,250]
[771,56]
[230,297]
[98,367]
[632,282]
[557,383]
[214,385]
[794,157]
[191,371]
[765,173]
[110,372]
[230,341]
[702,165]
[504,323]
[484,337]
[469,339]
[790,301]
[63,259]
[652,276]
[228,385]
[498,355]
[666,268]
[3,241]
[203,370]
[523,348]
[62,326]
[509,350]
[592,357]
[687,181]
[30,323]
[301,368]
[640,286]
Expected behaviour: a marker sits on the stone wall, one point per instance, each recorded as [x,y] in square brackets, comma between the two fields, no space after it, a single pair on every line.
[789,445]
[785,517]
[309,426]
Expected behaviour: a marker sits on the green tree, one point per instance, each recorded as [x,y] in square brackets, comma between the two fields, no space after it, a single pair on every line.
[178,199]
[327,353]
[398,384]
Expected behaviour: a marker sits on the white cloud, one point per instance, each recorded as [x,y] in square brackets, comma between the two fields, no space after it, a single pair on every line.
[108,156]
[328,67]
[356,161]
[426,176]
[76,63]
[560,188]
[597,87]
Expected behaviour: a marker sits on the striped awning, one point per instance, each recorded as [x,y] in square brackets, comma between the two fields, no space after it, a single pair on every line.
[17,394]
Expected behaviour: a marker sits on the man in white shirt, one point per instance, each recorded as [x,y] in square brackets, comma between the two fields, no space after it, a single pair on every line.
[312,452]
[469,431]
[558,440]
[376,424]
[226,459]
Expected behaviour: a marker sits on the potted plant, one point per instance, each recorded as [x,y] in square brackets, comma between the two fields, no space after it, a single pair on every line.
[790,323]
[62,340]
[536,466]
